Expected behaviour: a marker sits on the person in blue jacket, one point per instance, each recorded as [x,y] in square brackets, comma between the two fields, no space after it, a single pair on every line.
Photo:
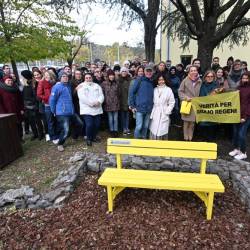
[61,104]
[141,102]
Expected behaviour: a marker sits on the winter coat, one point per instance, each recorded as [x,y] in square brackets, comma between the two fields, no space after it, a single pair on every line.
[74,85]
[111,93]
[188,89]
[60,101]
[11,101]
[163,105]
[175,84]
[29,97]
[124,83]
[141,95]
[234,78]
[44,91]
[88,94]
[244,101]
[205,90]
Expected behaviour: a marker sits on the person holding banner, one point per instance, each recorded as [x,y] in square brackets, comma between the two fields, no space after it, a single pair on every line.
[208,87]
[189,88]
[240,129]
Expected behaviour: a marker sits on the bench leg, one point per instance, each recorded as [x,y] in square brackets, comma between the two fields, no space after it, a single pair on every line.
[110,198]
[210,203]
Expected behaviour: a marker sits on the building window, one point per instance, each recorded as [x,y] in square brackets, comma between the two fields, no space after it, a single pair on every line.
[186,59]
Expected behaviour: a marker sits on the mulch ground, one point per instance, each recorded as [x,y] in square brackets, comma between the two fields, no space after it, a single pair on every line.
[142,219]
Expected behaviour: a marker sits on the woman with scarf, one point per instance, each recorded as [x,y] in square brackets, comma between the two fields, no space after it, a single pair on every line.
[234,75]
[189,88]
[163,105]
[240,129]
[208,87]
[221,80]
[11,102]
[111,105]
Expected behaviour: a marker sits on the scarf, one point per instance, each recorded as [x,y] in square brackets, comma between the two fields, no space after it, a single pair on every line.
[207,88]
[10,89]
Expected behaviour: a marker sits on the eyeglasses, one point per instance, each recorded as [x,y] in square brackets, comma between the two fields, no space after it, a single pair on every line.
[209,76]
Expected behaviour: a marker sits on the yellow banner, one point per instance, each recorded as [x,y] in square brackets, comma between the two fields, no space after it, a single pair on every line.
[221,108]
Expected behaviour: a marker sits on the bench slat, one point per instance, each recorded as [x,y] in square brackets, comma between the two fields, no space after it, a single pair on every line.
[162,144]
[167,152]
[136,178]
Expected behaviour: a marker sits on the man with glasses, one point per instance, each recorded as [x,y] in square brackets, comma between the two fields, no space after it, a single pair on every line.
[62,107]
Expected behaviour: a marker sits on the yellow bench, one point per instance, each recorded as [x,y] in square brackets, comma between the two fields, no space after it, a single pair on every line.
[202,184]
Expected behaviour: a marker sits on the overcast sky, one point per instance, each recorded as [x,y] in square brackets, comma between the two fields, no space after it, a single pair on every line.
[107,28]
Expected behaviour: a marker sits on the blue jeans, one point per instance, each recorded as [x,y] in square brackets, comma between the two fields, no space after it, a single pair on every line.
[124,120]
[63,123]
[142,124]
[51,121]
[240,135]
[113,120]
[92,124]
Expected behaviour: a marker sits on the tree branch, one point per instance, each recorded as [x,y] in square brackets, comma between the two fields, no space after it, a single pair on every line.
[180,6]
[196,15]
[225,7]
[135,8]
[232,20]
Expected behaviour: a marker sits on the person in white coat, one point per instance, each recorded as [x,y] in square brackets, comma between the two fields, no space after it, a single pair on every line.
[90,100]
[163,105]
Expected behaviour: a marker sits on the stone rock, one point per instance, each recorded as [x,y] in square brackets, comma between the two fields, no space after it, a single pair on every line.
[60,200]
[93,166]
[33,200]
[11,194]
[137,161]
[52,195]
[153,159]
[20,204]
[77,157]
[42,204]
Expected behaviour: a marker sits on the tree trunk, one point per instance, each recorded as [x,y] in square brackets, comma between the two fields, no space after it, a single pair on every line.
[149,40]
[15,71]
[205,53]
[70,62]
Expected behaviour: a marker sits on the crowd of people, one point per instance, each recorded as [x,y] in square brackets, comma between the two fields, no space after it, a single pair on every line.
[77,100]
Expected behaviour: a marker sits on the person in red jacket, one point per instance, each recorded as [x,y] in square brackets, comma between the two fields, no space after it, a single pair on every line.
[43,93]
[240,129]
[11,102]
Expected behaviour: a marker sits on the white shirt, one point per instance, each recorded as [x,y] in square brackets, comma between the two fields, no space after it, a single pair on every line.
[90,93]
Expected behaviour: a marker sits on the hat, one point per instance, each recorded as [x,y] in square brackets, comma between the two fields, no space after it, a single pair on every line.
[117,68]
[110,72]
[148,68]
[27,74]
[124,69]
[126,62]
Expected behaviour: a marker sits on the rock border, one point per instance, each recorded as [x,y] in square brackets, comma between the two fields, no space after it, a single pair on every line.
[61,188]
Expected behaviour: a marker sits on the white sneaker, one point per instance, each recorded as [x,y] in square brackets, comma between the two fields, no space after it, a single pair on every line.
[55,141]
[60,148]
[240,156]
[234,152]
[47,138]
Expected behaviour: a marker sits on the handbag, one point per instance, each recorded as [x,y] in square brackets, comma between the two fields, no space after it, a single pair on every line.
[185,107]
